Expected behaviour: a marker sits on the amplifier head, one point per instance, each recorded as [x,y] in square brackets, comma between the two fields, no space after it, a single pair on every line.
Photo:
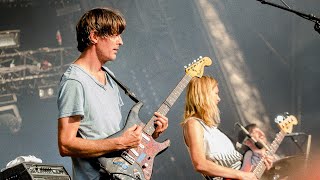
[35,171]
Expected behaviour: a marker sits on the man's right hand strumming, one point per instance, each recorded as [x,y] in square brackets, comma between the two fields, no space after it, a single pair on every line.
[131,138]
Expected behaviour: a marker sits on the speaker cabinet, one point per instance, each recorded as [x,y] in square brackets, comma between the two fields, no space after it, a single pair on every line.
[35,171]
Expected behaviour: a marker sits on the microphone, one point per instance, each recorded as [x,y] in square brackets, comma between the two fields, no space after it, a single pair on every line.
[256,143]
[295,134]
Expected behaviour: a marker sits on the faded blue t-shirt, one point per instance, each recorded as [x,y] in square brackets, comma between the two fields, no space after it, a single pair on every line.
[99,106]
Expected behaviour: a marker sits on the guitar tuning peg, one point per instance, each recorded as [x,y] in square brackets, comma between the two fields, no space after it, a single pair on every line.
[194,61]
[200,57]
[279,118]
[185,67]
[189,64]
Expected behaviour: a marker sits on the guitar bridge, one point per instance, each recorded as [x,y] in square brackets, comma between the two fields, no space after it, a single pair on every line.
[127,157]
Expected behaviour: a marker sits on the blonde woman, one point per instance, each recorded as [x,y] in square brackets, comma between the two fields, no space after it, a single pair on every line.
[211,151]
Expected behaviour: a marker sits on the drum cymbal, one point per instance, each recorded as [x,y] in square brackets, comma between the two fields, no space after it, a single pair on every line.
[285,166]
[289,162]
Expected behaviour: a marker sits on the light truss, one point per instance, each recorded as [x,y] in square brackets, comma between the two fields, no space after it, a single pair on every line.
[29,70]
[9,39]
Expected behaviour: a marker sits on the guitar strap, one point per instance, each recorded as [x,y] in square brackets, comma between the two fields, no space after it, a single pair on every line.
[125,89]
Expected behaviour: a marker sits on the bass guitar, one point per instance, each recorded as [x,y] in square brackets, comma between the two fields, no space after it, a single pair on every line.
[285,124]
[137,163]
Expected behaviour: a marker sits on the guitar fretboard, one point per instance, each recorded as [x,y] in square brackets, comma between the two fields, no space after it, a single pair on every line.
[261,167]
[168,103]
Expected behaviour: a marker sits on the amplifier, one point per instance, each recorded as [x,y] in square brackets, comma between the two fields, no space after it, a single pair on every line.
[35,171]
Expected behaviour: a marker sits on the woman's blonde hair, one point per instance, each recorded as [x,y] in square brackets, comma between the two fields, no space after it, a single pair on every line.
[199,101]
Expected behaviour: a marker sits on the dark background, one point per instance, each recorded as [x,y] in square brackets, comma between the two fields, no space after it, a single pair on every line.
[281,52]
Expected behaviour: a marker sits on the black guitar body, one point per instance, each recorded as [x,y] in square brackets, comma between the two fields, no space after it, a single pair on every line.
[133,163]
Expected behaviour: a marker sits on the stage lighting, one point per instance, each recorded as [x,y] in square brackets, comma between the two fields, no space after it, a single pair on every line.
[46,92]
[8,98]
[9,113]
[9,39]
[41,93]
[50,92]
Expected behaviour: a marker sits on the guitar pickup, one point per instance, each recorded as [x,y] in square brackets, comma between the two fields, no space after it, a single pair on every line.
[145,137]
[134,152]
[127,157]
[141,146]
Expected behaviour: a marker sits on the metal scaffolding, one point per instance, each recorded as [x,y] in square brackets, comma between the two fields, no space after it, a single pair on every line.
[32,70]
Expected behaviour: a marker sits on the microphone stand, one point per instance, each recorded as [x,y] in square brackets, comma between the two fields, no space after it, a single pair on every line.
[296,143]
[309,17]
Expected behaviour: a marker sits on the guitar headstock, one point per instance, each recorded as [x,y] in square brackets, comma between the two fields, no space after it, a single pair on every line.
[197,66]
[286,122]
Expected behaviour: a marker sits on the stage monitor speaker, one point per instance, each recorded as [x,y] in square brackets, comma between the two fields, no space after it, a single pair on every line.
[35,171]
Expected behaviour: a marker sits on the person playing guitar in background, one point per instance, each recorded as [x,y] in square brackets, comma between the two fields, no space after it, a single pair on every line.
[211,151]
[254,154]
[89,101]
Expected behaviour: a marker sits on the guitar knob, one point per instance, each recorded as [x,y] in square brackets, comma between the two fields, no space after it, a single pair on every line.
[145,165]
[137,175]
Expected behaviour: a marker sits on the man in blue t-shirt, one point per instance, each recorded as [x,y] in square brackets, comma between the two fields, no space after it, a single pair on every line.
[89,102]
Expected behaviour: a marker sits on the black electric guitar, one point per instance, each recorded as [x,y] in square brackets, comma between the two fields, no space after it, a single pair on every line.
[137,163]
